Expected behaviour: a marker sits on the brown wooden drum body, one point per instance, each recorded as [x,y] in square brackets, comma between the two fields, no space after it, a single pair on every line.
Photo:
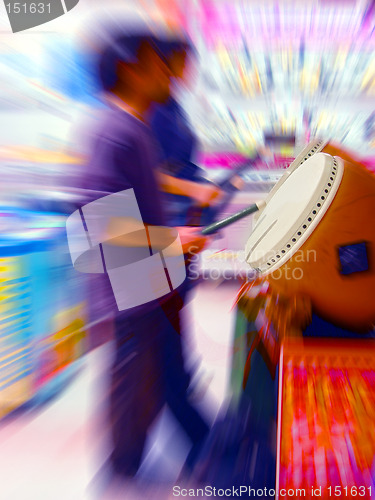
[315,270]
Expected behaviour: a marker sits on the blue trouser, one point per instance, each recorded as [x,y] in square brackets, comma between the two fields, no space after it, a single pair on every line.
[147,373]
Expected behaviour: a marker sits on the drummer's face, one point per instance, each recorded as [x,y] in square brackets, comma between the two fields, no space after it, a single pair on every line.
[155,75]
[177,63]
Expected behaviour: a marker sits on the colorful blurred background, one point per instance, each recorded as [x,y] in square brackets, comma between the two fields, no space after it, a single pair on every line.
[269,77]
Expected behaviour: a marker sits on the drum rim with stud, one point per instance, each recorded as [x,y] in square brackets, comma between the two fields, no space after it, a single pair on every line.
[332,169]
[313,147]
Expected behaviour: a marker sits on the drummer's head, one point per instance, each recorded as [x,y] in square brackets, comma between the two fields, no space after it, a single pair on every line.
[132,63]
[179,54]
[178,59]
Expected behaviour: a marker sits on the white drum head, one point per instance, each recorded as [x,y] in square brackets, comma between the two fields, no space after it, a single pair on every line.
[312,148]
[294,210]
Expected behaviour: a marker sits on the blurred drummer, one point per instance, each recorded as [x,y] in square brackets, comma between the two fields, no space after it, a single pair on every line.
[148,369]
[182,180]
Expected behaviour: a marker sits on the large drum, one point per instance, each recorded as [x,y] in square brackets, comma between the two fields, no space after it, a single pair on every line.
[316,236]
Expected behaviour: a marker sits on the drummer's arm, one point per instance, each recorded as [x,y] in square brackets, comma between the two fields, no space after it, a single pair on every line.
[204,194]
[130,232]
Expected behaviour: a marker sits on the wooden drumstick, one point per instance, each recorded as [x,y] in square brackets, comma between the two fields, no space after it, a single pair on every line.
[216,226]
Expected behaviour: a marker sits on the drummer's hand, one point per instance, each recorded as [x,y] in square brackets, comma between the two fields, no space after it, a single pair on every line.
[192,240]
[237,182]
[207,194]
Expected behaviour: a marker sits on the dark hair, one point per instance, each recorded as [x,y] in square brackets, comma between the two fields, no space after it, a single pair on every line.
[125,48]
[177,45]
